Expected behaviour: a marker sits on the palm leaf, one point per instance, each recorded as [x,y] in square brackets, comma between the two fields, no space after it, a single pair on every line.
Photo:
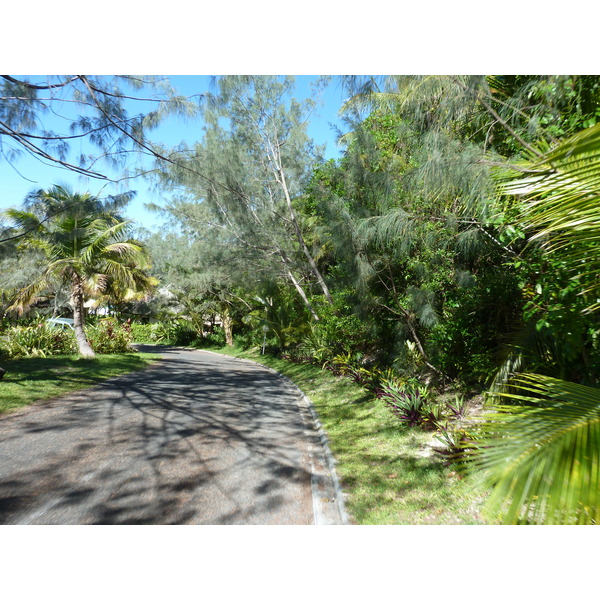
[101,234]
[561,210]
[542,457]
[80,234]
[29,294]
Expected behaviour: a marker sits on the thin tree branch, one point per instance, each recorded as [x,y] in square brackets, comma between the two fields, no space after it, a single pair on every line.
[498,118]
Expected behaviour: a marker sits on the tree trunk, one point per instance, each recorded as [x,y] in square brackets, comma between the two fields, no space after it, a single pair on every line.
[227,327]
[79,317]
[299,289]
[300,238]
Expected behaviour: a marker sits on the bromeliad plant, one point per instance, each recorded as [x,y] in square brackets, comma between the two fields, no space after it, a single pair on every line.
[456,442]
[411,405]
[414,404]
[457,408]
[350,365]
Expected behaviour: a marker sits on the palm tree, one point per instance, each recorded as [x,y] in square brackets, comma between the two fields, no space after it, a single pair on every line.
[541,454]
[86,245]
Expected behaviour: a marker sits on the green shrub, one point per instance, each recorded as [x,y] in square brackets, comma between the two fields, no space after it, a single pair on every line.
[147,333]
[474,323]
[38,339]
[254,338]
[339,330]
[177,332]
[180,333]
[215,339]
[109,336]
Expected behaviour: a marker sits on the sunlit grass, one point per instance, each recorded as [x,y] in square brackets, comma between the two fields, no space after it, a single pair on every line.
[29,380]
[389,473]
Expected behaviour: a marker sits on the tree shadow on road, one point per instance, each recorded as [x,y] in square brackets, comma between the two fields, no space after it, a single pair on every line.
[188,441]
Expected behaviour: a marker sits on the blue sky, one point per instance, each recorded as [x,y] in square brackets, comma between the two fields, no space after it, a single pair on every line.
[26,173]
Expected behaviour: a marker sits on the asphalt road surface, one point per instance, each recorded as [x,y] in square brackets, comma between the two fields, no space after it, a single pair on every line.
[198,438]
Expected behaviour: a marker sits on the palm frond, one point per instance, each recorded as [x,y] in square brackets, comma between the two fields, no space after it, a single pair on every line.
[29,294]
[561,210]
[102,234]
[82,234]
[542,457]
[24,220]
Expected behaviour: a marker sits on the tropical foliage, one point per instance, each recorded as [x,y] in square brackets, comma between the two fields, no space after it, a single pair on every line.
[452,250]
[541,457]
[86,247]
[38,339]
[542,454]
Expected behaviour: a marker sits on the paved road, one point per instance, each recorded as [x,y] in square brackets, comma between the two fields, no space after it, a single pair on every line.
[198,439]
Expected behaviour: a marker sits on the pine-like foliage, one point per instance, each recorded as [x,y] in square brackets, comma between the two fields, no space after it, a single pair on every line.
[101,127]
[253,161]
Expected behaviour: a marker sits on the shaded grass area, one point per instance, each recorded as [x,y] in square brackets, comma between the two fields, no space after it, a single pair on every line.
[389,472]
[29,380]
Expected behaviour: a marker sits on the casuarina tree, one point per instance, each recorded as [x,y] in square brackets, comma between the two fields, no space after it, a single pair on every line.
[249,168]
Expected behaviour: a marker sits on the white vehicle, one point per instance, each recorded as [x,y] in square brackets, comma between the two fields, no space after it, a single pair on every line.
[62,322]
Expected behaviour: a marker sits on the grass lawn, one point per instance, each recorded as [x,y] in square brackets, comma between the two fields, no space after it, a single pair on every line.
[29,380]
[389,473]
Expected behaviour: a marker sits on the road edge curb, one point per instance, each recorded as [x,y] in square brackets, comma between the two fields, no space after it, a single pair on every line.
[323,439]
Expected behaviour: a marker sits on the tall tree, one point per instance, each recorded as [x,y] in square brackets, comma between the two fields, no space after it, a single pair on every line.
[86,247]
[208,278]
[255,159]
[435,206]
[409,238]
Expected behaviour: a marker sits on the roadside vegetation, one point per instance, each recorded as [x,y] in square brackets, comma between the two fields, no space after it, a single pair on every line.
[445,268]
[40,361]
[391,473]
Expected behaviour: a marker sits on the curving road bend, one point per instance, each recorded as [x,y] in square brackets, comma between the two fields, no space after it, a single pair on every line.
[199,438]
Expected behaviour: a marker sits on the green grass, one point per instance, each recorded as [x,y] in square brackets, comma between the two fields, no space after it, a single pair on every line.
[388,470]
[29,380]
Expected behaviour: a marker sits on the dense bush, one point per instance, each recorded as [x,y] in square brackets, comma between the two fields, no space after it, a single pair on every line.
[37,339]
[256,338]
[340,332]
[215,339]
[179,333]
[475,323]
[109,336]
[148,333]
